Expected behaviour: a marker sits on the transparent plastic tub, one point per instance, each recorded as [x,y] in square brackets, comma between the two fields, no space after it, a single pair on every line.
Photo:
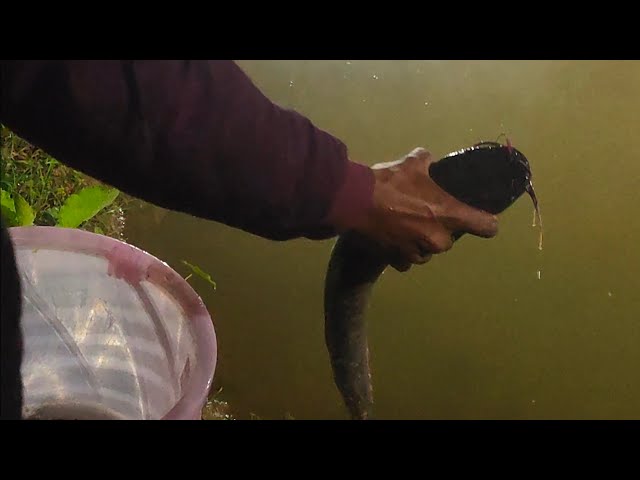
[110,332]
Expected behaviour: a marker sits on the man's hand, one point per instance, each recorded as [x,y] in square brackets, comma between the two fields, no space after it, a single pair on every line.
[412,217]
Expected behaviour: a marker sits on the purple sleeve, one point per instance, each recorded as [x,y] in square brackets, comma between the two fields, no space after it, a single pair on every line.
[192,136]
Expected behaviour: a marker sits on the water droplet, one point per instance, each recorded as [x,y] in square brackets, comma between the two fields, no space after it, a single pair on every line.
[375,77]
[426,103]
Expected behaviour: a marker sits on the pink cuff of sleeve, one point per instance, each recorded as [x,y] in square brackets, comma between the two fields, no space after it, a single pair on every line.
[354,199]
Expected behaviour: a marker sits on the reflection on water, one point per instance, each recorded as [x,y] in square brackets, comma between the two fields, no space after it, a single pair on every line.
[493,328]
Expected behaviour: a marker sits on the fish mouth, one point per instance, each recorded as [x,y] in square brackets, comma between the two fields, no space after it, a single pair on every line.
[515,155]
[507,174]
[516,158]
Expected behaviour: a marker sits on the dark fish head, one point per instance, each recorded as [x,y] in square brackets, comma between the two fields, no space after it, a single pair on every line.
[488,175]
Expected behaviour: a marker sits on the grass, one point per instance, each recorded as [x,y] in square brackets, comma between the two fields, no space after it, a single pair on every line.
[218,409]
[46,185]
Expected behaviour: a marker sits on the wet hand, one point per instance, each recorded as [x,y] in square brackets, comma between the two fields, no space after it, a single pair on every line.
[412,218]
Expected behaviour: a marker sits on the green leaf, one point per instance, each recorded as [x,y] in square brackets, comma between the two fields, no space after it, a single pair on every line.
[84,205]
[52,212]
[49,216]
[201,273]
[8,208]
[24,212]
